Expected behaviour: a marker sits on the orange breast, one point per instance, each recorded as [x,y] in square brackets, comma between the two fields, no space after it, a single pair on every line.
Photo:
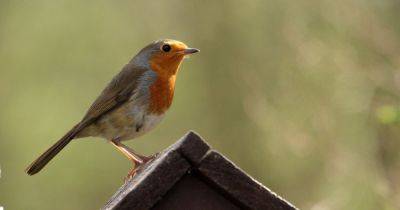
[161,94]
[162,90]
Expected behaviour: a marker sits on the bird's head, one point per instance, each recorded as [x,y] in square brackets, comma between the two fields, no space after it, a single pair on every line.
[165,56]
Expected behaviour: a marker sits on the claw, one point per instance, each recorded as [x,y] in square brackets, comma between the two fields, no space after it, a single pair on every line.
[139,166]
[147,159]
[131,173]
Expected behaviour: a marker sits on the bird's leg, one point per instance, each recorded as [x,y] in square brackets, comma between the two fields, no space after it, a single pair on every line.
[144,159]
[137,159]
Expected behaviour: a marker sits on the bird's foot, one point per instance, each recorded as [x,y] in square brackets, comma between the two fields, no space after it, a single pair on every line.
[147,159]
[139,166]
[132,173]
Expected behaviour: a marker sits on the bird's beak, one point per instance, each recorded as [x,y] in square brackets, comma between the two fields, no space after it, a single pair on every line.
[189,51]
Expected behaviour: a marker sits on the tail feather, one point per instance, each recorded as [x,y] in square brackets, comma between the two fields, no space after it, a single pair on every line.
[50,153]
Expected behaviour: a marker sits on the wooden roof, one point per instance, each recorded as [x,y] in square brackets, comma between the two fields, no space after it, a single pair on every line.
[190,175]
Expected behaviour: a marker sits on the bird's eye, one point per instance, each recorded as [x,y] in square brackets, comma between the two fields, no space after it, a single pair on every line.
[166,48]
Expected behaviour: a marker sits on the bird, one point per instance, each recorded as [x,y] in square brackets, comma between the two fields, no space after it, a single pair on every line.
[131,105]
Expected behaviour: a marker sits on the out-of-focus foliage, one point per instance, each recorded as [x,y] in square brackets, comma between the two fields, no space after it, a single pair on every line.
[303,95]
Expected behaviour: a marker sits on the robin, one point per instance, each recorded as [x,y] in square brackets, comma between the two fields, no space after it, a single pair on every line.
[132,104]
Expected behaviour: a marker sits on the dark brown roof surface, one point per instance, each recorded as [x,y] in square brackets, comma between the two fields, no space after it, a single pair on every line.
[191,165]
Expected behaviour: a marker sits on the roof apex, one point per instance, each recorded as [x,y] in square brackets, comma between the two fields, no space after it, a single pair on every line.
[192,153]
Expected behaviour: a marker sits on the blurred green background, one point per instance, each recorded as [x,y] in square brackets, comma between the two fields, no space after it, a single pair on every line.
[303,95]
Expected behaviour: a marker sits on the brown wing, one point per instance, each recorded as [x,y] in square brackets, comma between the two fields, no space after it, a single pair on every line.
[117,92]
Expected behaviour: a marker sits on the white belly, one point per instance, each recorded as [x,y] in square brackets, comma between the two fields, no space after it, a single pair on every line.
[149,122]
[143,122]
[125,123]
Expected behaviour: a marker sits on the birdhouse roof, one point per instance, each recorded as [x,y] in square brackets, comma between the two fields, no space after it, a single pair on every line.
[189,174]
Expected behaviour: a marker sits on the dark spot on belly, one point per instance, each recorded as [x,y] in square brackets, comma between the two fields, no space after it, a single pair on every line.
[138,127]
